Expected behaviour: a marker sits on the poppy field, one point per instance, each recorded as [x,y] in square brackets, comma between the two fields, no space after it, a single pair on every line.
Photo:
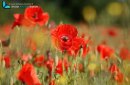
[34,51]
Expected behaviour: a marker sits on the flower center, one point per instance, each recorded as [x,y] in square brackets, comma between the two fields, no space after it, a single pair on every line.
[64,38]
[35,16]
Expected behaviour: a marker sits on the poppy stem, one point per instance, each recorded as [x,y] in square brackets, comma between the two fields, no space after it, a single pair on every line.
[1,51]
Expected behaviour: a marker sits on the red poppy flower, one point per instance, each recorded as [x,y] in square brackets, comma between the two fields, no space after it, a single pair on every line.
[36,15]
[114,69]
[81,67]
[7,61]
[7,29]
[111,31]
[105,51]
[39,60]
[28,75]
[49,64]
[59,67]
[33,15]
[77,44]
[5,43]
[63,35]
[119,77]
[18,20]
[124,53]
[52,82]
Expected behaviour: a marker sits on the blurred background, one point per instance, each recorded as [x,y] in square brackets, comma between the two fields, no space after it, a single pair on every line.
[101,12]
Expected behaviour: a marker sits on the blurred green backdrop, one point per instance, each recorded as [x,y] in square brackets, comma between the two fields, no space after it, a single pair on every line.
[68,11]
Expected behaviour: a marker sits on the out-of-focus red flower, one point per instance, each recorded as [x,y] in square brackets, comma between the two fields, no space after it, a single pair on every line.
[105,51]
[77,44]
[52,82]
[119,77]
[62,63]
[124,54]
[39,60]
[6,28]
[111,31]
[59,67]
[114,69]
[63,35]
[28,75]
[33,15]
[36,15]
[7,61]
[81,67]
[18,20]
[26,57]
[49,64]
[5,43]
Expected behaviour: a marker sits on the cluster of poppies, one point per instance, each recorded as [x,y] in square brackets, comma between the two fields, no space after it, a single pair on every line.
[78,56]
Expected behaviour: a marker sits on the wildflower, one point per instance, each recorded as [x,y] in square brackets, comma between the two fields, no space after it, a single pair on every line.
[124,53]
[49,64]
[81,67]
[33,15]
[6,43]
[6,29]
[52,82]
[28,75]
[36,15]
[7,61]
[114,69]
[63,35]
[78,44]
[111,31]
[59,67]
[39,60]
[18,20]
[119,77]
[105,51]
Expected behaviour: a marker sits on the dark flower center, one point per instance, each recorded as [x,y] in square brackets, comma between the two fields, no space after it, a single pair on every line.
[64,38]
[35,16]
